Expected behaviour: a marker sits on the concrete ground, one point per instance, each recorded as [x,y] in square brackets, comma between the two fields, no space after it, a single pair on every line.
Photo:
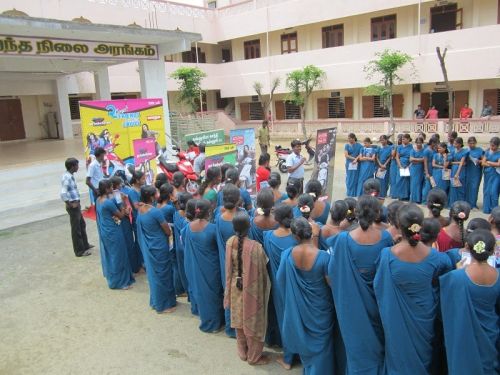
[57,315]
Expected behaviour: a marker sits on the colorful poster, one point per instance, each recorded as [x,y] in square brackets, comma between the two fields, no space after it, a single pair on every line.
[216,155]
[244,139]
[324,160]
[212,137]
[115,124]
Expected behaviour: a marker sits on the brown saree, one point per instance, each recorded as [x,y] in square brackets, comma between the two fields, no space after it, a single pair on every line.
[248,306]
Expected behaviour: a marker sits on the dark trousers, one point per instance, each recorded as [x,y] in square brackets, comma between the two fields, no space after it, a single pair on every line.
[263,149]
[78,230]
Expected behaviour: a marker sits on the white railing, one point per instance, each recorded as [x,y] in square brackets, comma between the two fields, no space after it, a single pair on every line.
[160,6]
[482,129]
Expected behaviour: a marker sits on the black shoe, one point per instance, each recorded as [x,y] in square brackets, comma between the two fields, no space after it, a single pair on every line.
[90,247]
[86,253]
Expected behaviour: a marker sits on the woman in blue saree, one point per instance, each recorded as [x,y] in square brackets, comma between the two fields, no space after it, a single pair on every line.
[114,257]
[366,162]
[134,196]
[417,171]
[457,178]
[153,232]
[201,259]
[225,230]
[263,218]
[328,232]
[383,164]
[394,169]
[429,152]
[473,172]
[167,208]
[403,161]
[407,296]
[440,164]
[308,317]
[178,226]
[351,272]
[351,153]
[491,168]
[470,305]
[275,242]
[321,208]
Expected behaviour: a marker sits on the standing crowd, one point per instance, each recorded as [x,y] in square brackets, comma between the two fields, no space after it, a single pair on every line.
[409,171]
[349,286]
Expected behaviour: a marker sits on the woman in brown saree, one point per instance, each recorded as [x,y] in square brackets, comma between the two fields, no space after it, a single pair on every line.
[247,291]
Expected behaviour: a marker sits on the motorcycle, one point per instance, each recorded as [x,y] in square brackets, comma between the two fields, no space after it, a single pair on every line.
[281,155]
[177,161]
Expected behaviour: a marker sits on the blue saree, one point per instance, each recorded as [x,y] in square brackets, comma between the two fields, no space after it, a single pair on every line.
[367,168]
[308,318]
[429,155]
[158,258]
[202,266]
[473,174]
[457,193]
[437,173]
[274,247]
[470,318]
[416,176]
[351,272]
[403,183]
[491,185]
[384,153]
[408,304]
[351,175]
[114,257]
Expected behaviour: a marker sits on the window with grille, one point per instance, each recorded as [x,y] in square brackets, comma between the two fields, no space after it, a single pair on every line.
[256,111]
[333,36]
[212,4]
[380,107]
[292,111]
[289,43]
[336,107]
[190,56]
[252,49]
[383,27]
[74,106]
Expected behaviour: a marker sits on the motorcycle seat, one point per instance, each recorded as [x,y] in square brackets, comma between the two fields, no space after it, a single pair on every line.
[171,167]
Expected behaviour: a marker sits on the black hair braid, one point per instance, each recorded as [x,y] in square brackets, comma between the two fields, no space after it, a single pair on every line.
[239,279]
[460,223]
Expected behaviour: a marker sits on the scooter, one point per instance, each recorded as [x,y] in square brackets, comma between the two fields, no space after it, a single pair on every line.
[281,155]
[178,162]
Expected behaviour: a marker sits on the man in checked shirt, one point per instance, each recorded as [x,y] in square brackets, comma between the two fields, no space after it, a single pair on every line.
[71,198]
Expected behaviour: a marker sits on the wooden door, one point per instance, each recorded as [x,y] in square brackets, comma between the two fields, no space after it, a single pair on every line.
[245,111]
[461,97]
[279,108]
[367,102]
[348,106]
[322,108]
[397,105]
[425,101]
[11,123]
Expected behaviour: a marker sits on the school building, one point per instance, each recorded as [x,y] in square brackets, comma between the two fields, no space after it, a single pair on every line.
[237,43]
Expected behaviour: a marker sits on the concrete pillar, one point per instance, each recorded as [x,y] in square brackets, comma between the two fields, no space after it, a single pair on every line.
[63,112]
[154,85]
[101,79]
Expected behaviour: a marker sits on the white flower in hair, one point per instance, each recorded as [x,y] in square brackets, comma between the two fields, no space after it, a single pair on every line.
[259,211]
[479,247]
[415,228]
[312,195]
[305,209]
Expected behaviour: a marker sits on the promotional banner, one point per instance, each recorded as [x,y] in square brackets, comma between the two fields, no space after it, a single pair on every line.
[324,160]
[217,155]
[244,139]
[116,124]
[212,137]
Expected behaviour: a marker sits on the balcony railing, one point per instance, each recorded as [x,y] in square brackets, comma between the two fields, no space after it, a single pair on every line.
[482,129]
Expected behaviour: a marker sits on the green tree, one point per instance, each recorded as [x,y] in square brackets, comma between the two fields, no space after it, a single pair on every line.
[190,91]
[385,68]
[301,83]
[264,103]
